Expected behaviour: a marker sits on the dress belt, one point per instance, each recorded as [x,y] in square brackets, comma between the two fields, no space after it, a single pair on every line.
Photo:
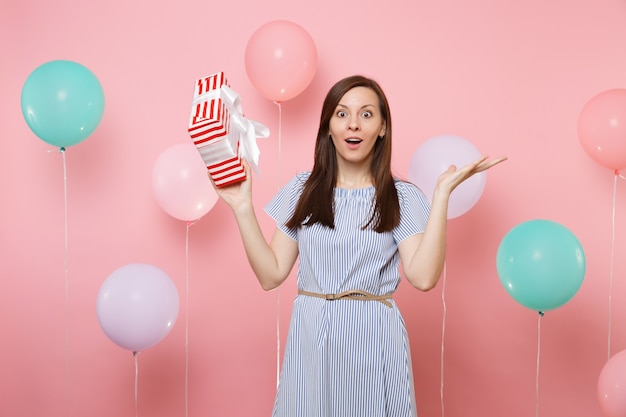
[351,295]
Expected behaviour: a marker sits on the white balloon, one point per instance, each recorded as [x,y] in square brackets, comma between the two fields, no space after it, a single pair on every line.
[137,306]
[434,157]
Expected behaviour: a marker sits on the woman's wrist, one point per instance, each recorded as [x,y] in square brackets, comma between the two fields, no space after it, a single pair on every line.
[242,208]
[440,195]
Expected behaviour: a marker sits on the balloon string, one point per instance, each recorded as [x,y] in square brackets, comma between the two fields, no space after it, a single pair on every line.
[537,372]
[278,183]
[277,337]
[443,331]
[610,308]
[187,319]
[280,122]
[67,285]
[135,354]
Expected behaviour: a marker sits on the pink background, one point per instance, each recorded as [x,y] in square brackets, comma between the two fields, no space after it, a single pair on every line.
[511,77]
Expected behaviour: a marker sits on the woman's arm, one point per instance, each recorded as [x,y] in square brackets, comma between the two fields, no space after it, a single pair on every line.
[271,262]
[423,255]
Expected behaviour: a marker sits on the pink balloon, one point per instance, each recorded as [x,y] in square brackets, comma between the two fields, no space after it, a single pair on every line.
[612,386]
[281,60]
[137,306]
[434,157]
[181,184]
[602,128]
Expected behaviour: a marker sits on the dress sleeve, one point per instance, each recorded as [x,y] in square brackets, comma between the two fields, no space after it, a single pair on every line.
[414,211]
[282,206]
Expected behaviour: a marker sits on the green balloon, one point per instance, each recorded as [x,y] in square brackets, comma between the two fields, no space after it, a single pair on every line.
[62,102]
[541,264]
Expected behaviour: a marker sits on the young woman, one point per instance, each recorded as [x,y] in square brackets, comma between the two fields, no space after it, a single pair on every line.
[352,224]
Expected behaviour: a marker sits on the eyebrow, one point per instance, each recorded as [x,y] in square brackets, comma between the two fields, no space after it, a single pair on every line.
[362,107]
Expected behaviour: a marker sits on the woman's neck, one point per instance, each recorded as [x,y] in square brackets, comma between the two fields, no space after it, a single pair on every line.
[351,179]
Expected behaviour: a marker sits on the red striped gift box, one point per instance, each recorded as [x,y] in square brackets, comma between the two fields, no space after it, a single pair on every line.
[210,131]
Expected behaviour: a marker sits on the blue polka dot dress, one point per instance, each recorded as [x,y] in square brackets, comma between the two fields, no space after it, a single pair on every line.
[347,357]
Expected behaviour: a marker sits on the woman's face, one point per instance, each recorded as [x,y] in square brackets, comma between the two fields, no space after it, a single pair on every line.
[356,125]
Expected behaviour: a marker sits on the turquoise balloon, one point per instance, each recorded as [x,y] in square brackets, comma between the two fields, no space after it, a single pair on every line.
[62,102]
[541,264]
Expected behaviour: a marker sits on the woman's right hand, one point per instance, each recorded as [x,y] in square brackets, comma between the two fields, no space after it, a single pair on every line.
[238,194]
[453,177]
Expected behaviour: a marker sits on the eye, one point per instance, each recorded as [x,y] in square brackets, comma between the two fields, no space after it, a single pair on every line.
[367,114]
[341,113]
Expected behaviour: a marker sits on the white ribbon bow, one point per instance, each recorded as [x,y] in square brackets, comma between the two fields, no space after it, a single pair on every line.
[245,129]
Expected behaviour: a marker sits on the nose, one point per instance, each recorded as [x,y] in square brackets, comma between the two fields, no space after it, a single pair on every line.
[353,124]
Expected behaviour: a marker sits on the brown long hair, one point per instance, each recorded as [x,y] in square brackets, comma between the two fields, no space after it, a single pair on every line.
[317,199]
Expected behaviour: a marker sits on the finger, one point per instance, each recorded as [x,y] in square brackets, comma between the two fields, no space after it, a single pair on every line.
[474,165]
[247,170]
[488,164]
[246,166]
[480,160]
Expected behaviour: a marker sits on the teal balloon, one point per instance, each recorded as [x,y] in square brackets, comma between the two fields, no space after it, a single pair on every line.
[62,102]
[541,264]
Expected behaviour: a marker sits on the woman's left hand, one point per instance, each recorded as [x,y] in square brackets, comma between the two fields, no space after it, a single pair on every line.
[453,177]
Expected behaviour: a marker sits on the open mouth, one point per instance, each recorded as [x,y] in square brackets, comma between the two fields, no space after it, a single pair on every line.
[354,141]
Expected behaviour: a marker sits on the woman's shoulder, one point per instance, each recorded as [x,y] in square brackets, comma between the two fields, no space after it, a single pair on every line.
[404,185]
[296,183]
[406,188]
[303,176]
[299,179]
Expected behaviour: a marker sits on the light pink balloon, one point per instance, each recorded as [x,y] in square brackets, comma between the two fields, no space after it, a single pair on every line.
[612,386]
[281,60]
[602,128]
[433,157]
[181,184]
[137,306]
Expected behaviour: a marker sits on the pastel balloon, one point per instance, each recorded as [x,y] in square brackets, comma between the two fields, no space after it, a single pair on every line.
[280,60]
[612,386]
[181,184]
[62,102]
[137,306]
[433,157]
[602,128]
[541,264]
